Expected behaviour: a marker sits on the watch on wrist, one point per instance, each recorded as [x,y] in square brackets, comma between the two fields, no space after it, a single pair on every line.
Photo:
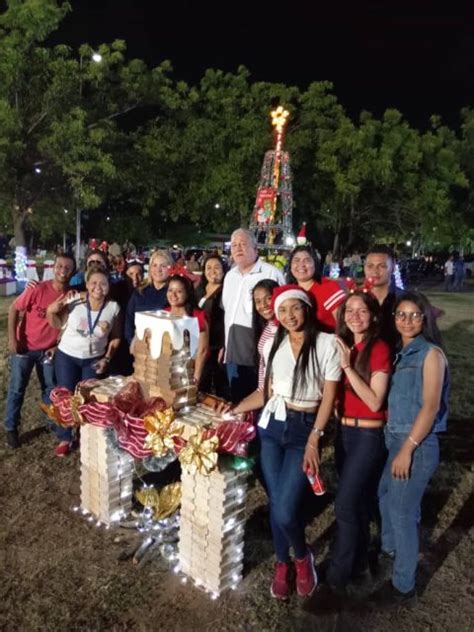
[318,431]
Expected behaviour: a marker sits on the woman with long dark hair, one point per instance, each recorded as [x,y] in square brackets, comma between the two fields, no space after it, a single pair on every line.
[209,297]
[304,270]
[360,448]
[265,328]
[182,302]
[417,412]
[300,387]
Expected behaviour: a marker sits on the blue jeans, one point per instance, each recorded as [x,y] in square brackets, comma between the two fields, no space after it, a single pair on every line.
[242,380]
[281,459]
[400,506]
[359,456]
[21,366]
[69,372]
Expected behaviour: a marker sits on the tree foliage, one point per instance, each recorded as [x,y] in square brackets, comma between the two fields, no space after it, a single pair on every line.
[133,142]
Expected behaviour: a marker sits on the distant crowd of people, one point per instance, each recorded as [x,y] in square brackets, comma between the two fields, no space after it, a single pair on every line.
[294,349]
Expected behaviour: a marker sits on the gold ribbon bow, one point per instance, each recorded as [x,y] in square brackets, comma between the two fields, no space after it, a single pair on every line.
[162,429]
[164,502]
[199,455]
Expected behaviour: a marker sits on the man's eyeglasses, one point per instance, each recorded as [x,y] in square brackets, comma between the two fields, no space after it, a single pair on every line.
[416,317]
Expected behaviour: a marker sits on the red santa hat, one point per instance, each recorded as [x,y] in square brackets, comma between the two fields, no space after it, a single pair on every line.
[285,292]
[301,237]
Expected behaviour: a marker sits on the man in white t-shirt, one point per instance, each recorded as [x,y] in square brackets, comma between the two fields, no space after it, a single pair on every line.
[449,274]
[240,340]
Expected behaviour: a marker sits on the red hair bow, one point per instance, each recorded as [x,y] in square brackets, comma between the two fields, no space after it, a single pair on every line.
[366,287]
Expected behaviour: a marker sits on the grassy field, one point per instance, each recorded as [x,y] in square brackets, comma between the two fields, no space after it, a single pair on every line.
[59,573]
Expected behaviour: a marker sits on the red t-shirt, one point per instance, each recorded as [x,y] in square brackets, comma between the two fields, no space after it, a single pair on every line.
[199,314]
[350,404]
[34,332]
[328,296]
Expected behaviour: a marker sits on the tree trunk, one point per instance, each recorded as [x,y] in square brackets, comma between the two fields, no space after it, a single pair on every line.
[335,244]
[350,238]
[19,216]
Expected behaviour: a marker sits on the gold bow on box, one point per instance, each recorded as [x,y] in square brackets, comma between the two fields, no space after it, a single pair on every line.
[199,455]
[162,430]
[163,502]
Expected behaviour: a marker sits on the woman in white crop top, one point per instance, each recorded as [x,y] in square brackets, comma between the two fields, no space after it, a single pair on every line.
[303,372]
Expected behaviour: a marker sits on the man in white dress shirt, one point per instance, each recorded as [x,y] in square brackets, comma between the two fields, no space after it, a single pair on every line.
[240,343]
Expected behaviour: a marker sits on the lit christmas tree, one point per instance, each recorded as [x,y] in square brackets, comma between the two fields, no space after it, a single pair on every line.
[272,219]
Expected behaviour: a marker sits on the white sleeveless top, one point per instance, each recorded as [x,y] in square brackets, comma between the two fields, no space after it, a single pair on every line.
[328,367]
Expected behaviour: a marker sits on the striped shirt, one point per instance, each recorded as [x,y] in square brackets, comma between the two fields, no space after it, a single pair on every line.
[328,296]
[268,334]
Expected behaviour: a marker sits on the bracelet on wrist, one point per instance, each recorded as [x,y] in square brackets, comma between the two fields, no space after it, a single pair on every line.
[107,359]
[415,443]
[318,432]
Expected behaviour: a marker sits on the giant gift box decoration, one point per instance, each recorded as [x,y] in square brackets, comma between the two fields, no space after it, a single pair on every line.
[211,534]
[106,476]
[153,416]
[163,348]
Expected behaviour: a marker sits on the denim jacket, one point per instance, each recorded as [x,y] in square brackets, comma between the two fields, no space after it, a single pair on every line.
[405,397]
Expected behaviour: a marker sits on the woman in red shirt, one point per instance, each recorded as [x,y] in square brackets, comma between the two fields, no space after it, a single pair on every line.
[360,447]
[304,270]
[182,302]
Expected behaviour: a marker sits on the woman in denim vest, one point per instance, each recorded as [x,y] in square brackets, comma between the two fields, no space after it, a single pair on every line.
[417,412]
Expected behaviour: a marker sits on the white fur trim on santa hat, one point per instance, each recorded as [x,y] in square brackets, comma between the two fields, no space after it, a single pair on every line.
[291,293]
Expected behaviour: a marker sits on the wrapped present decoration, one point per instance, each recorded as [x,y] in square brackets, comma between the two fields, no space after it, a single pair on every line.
[211,536]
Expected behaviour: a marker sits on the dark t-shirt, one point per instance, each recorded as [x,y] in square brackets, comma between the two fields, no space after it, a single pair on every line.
[388,331]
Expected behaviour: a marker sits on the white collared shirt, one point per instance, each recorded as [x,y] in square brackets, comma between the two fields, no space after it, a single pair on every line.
[238,308]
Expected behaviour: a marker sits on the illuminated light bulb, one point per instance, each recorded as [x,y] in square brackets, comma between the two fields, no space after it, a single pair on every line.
[90,518]
[75,508]
[184,580]
[98,523]
[230,523]
[107,527]
[97,57]
[84,512]
[176,569]
[214,596]
[235,577]
[233,587]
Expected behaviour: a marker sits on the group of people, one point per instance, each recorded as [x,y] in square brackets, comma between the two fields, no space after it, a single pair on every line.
[297,351]
[454,273]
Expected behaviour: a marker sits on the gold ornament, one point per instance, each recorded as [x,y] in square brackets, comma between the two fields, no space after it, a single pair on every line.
[164,502]
[199,455]
[51,412]
[162,429]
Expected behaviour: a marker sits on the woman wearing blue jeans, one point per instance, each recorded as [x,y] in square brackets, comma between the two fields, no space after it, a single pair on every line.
[300,387]
[417,412]
[360,449]
[91,331]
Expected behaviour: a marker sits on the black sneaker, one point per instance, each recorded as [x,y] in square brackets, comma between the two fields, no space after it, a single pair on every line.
[13,439]
[387,596]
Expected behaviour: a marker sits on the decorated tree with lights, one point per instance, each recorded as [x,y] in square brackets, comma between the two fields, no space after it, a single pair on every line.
[272,217]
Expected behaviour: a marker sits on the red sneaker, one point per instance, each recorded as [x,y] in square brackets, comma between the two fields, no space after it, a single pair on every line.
[280,588]
[62,449]
[306,577]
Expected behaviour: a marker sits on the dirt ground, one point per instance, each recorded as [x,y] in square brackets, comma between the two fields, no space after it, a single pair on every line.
[57,572]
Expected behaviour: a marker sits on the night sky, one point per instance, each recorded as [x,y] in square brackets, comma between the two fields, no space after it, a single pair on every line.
[417,56]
